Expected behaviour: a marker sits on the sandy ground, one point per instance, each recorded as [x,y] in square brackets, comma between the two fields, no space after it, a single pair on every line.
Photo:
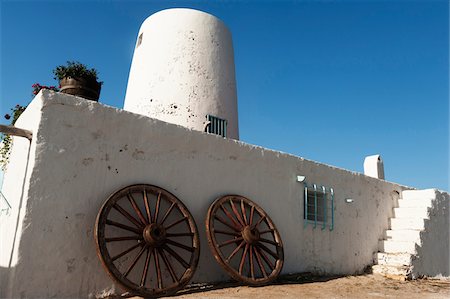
[306,286]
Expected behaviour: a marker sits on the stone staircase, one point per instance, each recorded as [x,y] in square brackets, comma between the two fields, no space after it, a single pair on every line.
[398,249]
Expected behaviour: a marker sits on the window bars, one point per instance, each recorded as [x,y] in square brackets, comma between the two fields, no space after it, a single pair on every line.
[318,206]
[216,125]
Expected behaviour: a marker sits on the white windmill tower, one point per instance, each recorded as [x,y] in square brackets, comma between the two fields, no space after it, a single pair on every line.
[183,72]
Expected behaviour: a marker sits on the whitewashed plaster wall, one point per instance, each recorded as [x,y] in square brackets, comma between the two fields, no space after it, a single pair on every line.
[83,151]
[183,69]
[16,184]
[433,254]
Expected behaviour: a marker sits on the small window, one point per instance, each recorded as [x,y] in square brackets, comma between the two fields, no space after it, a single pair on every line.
[318,204]
[216,125]
[315,206]
[139,42]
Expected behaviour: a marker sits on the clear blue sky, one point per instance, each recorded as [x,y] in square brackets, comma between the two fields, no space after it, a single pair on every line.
[331,81]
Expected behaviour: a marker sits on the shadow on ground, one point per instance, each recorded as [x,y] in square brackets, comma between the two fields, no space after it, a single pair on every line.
[299,278]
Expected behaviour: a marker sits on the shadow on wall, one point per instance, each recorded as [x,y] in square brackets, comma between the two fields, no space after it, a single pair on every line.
[4,276]
[433,257]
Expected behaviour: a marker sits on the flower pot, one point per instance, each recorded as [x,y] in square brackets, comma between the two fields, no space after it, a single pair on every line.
[81,87]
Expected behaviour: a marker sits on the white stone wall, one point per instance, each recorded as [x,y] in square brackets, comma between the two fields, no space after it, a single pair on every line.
[183,69]
[83,151]
[16,183]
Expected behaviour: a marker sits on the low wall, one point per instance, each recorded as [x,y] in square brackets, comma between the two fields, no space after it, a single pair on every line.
[83,151]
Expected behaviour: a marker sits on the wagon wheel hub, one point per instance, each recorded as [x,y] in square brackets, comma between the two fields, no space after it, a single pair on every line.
[154,235]
[250,235]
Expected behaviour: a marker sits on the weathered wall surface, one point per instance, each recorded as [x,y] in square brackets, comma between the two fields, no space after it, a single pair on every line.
[84,151]
[183,69]
[15,188]
[433,255]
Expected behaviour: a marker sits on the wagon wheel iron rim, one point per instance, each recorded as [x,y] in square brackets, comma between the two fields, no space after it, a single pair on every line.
[244,240]
[147,240]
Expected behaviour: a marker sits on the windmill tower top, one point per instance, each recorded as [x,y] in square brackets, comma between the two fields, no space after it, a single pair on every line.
[183,72]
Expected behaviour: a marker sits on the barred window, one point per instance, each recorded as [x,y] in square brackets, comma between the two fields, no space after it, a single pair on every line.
[315,206]
[318,203]
[216,125]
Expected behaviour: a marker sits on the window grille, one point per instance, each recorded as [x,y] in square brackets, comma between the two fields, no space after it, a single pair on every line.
[318,206]
[216,125]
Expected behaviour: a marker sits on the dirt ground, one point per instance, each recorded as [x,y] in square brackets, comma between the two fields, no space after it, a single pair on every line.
[307,286]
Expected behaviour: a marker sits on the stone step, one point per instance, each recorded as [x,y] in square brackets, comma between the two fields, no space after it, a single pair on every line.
[414,203]
[394,259]
[394,272]
[408,235]
[389,246]
[411,212]
[419,194]
[407,223]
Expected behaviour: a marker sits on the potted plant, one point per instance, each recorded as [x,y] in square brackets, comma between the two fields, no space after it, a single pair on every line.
[76,79]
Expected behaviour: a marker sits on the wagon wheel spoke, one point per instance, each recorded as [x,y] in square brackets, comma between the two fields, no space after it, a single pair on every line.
[176,222]
[118,239]
[146,266]
[236,240]
[259,221]
[223,232]
[266,231]
[245,222]
[226,223]
[136,209]
[228,214]
[147,206]
[252,212]
[158,202]
[139,232]
[260,264]
[123,226]
[244,254]
[174,243]
[176,256]
[158,269]
[128,216]
[268,241]
[180,235]
[273,254]
[125,252]
[167,213]
[236,250]
[266,259]
[236,213]
[168,265]
[244,213]
[250,258]
[133,263]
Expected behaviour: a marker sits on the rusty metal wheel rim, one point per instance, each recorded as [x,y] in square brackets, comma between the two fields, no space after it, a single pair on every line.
[160,236]
[236,224]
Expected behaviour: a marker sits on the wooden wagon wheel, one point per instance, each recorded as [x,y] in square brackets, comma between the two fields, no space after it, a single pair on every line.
[244,240]
[147,240]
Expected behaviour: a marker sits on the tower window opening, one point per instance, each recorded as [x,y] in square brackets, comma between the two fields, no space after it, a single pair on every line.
[216,125]
[139,42]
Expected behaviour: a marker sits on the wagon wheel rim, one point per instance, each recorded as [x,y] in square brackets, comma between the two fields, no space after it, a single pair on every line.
[244,240]
[147,240]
